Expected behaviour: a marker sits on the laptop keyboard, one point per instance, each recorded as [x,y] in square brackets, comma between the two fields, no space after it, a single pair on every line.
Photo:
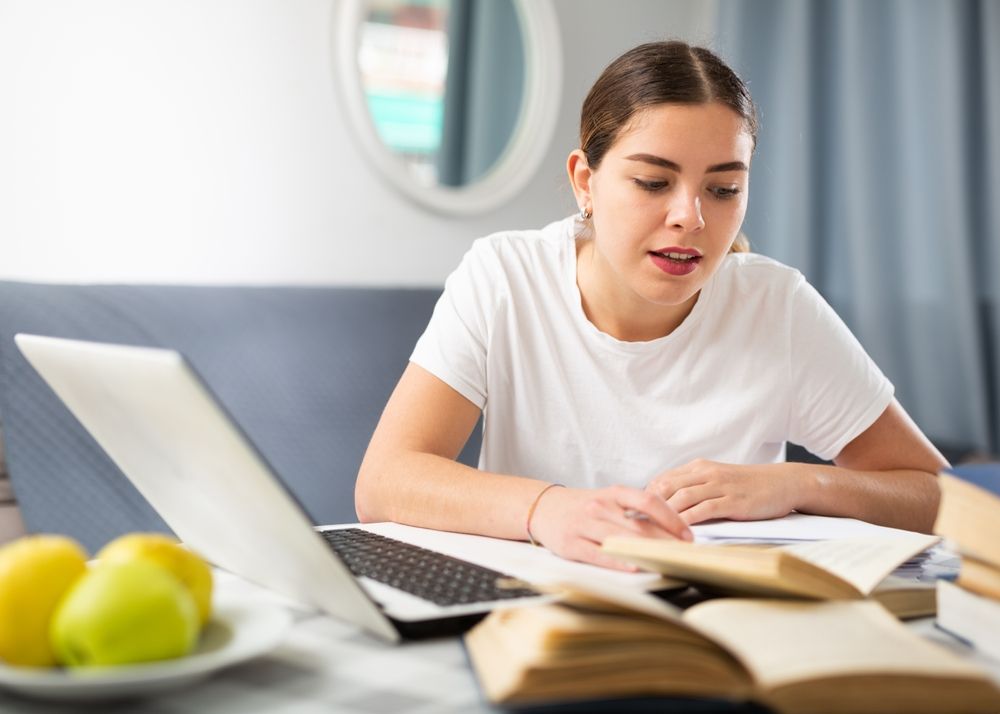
[425,573]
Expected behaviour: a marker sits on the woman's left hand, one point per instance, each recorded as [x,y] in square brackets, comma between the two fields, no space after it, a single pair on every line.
[703,490]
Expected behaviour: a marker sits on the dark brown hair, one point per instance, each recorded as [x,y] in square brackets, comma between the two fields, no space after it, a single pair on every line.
[670,72]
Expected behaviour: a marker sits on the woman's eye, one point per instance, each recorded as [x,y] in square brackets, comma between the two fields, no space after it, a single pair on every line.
[725,191]
[650,185]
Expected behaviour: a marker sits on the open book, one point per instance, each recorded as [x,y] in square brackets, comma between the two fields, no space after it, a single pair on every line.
[794,656]
[844,569]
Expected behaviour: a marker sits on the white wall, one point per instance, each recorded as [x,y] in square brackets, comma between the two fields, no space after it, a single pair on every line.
[203,141]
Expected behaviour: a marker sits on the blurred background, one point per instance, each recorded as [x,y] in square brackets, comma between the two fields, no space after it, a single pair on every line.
[214,141]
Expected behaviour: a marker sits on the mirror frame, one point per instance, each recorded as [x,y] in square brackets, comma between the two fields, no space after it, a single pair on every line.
[530,137]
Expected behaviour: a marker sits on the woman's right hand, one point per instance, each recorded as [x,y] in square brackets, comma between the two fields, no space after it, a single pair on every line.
[573,523]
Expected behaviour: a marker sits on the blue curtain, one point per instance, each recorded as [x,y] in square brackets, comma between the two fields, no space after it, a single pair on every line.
[483,90]
[877,174]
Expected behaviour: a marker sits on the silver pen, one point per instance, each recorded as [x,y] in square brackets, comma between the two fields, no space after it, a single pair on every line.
[634,515]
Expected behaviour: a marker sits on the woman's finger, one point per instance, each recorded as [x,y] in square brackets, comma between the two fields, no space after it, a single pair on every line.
[667,484]
[691,496]
[643,504]
[706,511]
[588,551]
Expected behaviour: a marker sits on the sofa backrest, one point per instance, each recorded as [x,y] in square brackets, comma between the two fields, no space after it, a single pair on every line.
[305,372]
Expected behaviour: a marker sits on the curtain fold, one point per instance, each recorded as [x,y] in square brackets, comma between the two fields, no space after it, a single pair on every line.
[483,89]
[988,24]
[876,175]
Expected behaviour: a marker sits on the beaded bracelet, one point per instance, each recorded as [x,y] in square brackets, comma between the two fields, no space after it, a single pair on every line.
[531,511]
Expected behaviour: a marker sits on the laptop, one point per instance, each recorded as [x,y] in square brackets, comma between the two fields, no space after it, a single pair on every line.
[159,422]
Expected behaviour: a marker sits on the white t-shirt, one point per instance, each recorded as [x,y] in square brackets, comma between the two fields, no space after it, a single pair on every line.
[761,359]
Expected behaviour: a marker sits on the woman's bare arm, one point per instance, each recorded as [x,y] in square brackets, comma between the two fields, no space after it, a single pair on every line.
[886,475]
[409,475]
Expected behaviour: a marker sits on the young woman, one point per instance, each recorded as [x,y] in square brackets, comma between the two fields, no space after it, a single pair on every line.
[638,370]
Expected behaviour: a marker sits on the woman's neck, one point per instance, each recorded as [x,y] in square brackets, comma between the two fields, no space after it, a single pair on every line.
[617,310]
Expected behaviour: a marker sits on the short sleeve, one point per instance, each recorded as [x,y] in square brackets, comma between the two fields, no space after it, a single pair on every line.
[453,347]
[837,390]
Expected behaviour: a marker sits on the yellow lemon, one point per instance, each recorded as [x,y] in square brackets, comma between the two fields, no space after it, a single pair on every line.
[35,572]
[186,565]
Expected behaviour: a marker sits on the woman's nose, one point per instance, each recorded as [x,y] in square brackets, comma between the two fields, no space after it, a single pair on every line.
[684,211]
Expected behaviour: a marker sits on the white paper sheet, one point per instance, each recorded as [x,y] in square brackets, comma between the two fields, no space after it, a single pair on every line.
[793,527]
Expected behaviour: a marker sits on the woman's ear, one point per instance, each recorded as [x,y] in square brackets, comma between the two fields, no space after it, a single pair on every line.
[579,177]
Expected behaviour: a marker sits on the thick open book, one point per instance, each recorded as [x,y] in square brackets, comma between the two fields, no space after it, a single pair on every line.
[844,569]
[794,656]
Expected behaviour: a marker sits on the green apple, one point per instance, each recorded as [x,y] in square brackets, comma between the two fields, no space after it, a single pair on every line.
[123,613]
[186,565]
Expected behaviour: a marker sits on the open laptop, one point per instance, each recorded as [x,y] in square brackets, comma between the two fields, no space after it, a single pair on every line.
[160,423]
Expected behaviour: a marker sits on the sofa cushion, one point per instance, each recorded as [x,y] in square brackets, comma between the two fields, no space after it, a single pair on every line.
[305,372]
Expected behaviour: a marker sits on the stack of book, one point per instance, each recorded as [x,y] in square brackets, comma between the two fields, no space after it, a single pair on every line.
[792,656]
[969,518]
[813,637]
[853,568]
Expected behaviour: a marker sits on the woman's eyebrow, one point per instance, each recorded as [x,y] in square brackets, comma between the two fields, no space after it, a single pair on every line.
[728,166]
[674,166]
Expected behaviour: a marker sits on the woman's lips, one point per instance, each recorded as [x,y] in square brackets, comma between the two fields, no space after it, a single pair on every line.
[676,261]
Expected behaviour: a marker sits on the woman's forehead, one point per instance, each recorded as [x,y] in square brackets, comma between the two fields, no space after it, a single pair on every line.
[711,130]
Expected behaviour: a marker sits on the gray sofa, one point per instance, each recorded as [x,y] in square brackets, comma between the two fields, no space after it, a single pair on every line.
[304,371]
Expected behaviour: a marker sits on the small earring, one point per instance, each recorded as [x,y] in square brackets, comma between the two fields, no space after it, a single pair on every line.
[585,214]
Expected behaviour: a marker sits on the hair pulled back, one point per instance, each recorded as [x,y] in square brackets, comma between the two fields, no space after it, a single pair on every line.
[668,72]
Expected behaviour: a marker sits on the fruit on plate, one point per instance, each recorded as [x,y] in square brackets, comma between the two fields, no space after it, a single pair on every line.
[124,613]
[166,551]
[35,572]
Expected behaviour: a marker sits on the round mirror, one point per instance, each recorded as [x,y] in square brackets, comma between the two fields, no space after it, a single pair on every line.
[454,101]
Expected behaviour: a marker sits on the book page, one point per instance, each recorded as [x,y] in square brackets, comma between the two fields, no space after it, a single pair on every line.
[613,597]
[906,598]
[783,642]
[560,653]
[749,570]
[863,562]
[791,528]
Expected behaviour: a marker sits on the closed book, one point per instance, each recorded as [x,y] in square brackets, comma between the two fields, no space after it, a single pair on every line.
[792,656]
[980,577]
[906,598]
[970,617]
[969,513]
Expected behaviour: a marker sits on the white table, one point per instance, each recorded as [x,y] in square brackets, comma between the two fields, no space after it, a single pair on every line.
[326,666]
[322,666]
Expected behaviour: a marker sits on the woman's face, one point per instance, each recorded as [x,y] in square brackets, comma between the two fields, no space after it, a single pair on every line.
[668,199]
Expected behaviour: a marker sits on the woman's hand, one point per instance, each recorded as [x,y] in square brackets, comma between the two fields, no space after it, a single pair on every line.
[702,490]
[574,522]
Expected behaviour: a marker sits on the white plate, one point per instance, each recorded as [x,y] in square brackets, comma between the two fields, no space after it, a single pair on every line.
[239,629]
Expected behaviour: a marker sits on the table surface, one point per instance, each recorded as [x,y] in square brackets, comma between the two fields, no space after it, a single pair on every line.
[324,665]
